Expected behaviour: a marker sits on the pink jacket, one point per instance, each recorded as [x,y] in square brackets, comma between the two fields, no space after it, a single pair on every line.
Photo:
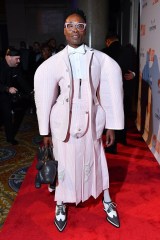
[105,91]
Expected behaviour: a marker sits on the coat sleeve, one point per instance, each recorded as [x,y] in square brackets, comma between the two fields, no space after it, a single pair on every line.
[111,93]
[3,82]
[46,91]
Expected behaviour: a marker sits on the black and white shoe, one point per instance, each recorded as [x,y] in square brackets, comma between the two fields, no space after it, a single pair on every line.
[60,217]
[112,214]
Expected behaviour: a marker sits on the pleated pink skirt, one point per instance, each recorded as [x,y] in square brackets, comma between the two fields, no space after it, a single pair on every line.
[82,168]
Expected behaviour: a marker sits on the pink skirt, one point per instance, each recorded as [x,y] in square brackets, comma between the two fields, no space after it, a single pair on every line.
[82,168]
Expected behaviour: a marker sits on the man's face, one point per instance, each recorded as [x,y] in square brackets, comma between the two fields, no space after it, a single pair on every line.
[46,53]
[74,37]
[13,61]
[52,43]
[36,47]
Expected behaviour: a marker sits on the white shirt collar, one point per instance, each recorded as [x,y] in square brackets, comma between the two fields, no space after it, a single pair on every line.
[80,49]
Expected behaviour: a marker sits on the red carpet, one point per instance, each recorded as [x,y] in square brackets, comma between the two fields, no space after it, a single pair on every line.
[134,186]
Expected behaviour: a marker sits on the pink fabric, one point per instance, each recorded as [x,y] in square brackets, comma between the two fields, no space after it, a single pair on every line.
[104,79]
[82,168]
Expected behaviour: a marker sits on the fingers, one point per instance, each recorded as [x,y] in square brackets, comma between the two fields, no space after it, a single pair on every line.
[47,141]
[110,138]
[109,143]
[129,75]
[12,90]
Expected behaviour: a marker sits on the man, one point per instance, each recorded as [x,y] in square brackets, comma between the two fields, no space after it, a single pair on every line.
[53,45]
[11,82]
[126,58]
[46,52]
[90,99]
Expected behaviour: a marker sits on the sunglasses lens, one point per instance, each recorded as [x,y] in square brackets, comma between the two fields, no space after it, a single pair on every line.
[79,26]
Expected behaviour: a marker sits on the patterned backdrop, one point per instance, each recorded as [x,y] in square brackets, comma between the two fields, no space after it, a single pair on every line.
[148,120]
[15,161]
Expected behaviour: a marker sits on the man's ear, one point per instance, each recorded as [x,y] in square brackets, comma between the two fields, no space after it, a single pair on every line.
[107,43]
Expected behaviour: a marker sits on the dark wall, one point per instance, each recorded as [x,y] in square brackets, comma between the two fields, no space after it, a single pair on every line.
[3,38]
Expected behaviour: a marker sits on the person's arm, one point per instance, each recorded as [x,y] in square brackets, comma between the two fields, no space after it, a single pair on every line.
[3,83]
[4,88]
[46,92]
[129,62]
[22,82]
[111,94]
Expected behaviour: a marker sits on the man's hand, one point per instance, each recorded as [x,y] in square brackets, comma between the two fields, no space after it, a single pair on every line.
[12,90]
[47,141]
[110,137]
[129,76]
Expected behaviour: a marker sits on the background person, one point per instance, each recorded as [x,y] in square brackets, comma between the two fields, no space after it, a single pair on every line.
[53,45]
[11,83]
[46,52]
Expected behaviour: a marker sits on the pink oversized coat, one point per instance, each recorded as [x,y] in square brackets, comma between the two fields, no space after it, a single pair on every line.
[105,93]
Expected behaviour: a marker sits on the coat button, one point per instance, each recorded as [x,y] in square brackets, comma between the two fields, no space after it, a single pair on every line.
[67,100]
[79,129]
[68,86]
[86,112]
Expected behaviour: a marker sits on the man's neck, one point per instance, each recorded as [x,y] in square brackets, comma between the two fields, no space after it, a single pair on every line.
[75,46]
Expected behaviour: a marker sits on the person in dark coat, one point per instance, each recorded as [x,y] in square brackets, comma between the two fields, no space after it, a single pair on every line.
[12,84]
[126,58]
[46,52]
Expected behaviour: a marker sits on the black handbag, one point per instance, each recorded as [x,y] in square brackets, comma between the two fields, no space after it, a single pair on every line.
[46,166]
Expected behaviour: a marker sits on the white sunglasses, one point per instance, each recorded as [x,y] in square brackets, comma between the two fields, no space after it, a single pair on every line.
[70,26]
